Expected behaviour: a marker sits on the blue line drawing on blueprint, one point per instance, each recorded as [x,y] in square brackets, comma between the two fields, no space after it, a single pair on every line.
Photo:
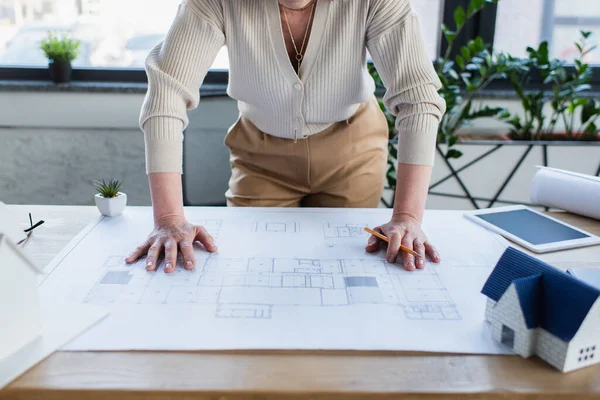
[276,227]
[343,230]
[252,287]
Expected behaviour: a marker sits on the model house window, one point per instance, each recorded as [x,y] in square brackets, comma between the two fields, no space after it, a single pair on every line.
[586,354]
[508,336]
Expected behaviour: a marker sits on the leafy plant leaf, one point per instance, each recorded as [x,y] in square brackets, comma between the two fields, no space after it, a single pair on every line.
[453,153]
[448,33]
[453,74]
[591,129]
[589,110]
[464,51]
[486,112]
[460,17]
[461,62]
[475,6]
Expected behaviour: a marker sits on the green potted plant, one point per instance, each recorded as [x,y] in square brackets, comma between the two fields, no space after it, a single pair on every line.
[463,75]
[109,199]
[565,97]
[60,52]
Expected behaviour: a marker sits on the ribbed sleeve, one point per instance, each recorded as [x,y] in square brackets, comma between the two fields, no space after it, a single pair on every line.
[176,68]
[396,47]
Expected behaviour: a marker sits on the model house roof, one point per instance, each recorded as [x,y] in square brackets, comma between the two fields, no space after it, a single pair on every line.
[549,298]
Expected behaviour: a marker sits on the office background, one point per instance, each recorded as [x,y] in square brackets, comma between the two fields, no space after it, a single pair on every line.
[55,140]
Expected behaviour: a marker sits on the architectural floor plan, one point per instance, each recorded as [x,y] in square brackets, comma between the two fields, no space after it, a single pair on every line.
[277,282]
[343,230]
[251,287]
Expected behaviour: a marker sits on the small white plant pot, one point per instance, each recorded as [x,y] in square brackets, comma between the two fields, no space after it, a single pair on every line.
[111,207]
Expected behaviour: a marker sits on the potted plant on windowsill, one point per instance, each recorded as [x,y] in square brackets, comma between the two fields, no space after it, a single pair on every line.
[463,73]
[109,199]
[565,99]
[60,52]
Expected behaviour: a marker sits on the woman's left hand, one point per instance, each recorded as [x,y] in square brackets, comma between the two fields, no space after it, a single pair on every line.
[406,230]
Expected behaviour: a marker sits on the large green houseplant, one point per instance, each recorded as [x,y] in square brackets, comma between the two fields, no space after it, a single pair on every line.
[463,75]
[565,95]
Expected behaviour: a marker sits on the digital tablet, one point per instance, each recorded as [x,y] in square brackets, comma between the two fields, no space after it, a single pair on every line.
[531,229]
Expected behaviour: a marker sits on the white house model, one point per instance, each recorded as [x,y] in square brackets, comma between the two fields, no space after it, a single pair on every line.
[536,309]
[19,302]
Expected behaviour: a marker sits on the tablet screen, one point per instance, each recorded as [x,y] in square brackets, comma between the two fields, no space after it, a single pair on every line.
[532,227]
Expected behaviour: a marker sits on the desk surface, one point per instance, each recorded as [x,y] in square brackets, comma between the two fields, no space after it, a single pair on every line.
[276,375]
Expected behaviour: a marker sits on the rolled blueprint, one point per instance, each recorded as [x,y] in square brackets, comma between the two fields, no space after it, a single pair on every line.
[568,191]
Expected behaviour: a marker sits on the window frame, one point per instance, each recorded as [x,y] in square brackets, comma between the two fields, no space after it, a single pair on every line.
[483,25]
[117,75]
[549,21]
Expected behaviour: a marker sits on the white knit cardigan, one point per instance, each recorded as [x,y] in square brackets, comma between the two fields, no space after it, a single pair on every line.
[332,82]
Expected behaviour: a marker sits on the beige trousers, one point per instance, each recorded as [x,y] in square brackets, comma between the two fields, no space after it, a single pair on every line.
[342,166]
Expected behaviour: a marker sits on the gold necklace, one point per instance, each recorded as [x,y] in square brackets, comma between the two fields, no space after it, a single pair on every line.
[299,55]
[298,9]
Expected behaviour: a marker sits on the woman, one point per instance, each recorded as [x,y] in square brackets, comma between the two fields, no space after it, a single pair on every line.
[310,132]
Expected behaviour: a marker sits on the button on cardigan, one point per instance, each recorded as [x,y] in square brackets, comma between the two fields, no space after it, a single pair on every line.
[332,82]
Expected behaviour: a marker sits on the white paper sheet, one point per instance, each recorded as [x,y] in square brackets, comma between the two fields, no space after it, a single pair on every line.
[9,224]
[566,190]
[60,324]
[282,279]
[590,276]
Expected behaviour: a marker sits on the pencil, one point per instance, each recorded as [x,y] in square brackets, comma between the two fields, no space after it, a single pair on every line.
[385,239]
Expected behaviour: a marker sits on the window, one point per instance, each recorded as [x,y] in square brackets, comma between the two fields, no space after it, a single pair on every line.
[586,354]
[112,37]
[527,23]
[430,20]
[117,35]
[508,336]
[113,33]
[430,13]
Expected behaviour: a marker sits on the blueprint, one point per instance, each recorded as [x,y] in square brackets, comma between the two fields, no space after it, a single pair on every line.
[282,279]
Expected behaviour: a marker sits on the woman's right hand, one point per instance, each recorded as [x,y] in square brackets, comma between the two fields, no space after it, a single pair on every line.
[174,235]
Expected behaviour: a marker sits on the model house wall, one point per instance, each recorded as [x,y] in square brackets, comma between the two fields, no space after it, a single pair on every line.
[584,349]
[508,324]
[19,303]
[506,313]
[551,349]
[536,309]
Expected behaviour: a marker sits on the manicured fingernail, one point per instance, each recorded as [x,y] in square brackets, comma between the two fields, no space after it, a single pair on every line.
[410,264]
[390,259]
[189,263]
[168,266]
[420,261]
[149,263]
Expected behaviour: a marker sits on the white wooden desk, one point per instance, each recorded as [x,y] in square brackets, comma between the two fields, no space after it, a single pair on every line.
[277,375]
